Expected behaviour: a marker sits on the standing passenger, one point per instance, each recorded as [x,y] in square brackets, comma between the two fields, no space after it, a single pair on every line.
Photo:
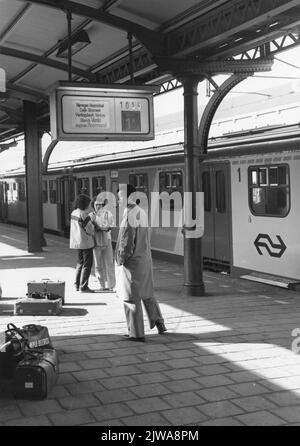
[103,221]
[134,273]
[81,238]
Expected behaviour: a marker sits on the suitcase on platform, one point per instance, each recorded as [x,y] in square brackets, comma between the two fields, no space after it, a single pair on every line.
[37,307]
[15,341]
[47,286]
[36,374]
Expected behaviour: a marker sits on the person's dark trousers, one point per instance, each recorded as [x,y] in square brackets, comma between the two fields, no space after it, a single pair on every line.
[83,267]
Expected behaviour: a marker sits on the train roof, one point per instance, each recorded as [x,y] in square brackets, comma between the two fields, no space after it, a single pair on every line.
[279,106]
[266,139]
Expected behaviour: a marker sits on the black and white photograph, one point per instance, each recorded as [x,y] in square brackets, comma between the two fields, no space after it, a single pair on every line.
[149,217]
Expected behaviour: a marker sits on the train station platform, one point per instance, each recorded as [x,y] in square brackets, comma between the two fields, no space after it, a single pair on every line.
[226,359]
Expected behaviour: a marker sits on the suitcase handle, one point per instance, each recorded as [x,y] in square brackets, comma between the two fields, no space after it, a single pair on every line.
[32,327]
[38,354]
[11,328]
[3,346]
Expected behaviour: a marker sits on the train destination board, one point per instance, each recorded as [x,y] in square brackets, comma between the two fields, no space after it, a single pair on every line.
[88,112]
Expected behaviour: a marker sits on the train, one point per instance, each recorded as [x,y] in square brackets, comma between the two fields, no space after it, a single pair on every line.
[250,181]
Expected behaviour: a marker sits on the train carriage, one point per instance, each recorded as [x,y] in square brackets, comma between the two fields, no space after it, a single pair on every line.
[251,200]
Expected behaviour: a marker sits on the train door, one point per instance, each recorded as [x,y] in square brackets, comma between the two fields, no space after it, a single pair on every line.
[3,201]
[217,217]
[67,197]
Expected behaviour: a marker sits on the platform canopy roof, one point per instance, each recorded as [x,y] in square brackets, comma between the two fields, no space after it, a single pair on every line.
[126,41]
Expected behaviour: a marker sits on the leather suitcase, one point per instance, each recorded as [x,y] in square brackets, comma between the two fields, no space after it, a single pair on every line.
[36,374]
[8,361]
[16,341]
[47,286]
[37,307]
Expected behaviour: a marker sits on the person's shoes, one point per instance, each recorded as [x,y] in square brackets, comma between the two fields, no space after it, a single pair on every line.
[161,328]
[86,290]
[142,339]
[131,338]
[76,287]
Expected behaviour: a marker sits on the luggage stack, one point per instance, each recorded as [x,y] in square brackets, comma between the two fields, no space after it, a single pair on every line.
[44,298]
[29,361]
[46,286]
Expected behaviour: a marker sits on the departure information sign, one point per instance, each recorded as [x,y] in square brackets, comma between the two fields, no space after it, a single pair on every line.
[87,112]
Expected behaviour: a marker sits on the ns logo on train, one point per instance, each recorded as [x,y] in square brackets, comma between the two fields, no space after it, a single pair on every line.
[265,241]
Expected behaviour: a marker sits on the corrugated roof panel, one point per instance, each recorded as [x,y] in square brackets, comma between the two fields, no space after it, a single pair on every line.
[40,29]
[12,65]
[156,11]
[42,77]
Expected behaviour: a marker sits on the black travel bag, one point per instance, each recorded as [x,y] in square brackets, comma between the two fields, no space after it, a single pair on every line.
[35,374]
[16,341]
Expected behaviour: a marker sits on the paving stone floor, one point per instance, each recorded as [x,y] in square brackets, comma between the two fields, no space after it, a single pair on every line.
[226,359]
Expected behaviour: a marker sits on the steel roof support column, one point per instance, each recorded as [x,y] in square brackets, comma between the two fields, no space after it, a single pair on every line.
[33,178]
[193,274]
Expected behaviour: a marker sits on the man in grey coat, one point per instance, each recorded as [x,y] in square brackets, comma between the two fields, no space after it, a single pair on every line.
[134,275]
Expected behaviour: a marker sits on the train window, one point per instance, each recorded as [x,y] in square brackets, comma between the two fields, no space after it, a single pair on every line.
[83,186]
[72,189]
[254,177]
[176,180]
[263,176]
[283,176]
[53,191]
[22,194]
[45,191]
[220,192]
[273,176]
[269,196]
[14,192]
[9,192]
[98,185]
[139,181]
[207,191]
[171,182]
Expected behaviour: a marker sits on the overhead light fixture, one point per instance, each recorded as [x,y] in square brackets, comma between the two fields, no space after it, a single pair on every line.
[78,42]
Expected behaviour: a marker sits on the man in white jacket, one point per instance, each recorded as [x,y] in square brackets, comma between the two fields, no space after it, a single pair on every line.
[82,239]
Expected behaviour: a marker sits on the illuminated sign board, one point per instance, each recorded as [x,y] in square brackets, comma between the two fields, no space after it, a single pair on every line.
[80,112]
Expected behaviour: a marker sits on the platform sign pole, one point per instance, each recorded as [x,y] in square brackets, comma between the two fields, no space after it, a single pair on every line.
[33,178]
[193,274]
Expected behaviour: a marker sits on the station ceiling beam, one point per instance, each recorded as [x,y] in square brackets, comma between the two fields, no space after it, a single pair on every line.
[274,46]
[9,126]
[11,112]
[258,17]
[24,55]
[26,93]
[180,67]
